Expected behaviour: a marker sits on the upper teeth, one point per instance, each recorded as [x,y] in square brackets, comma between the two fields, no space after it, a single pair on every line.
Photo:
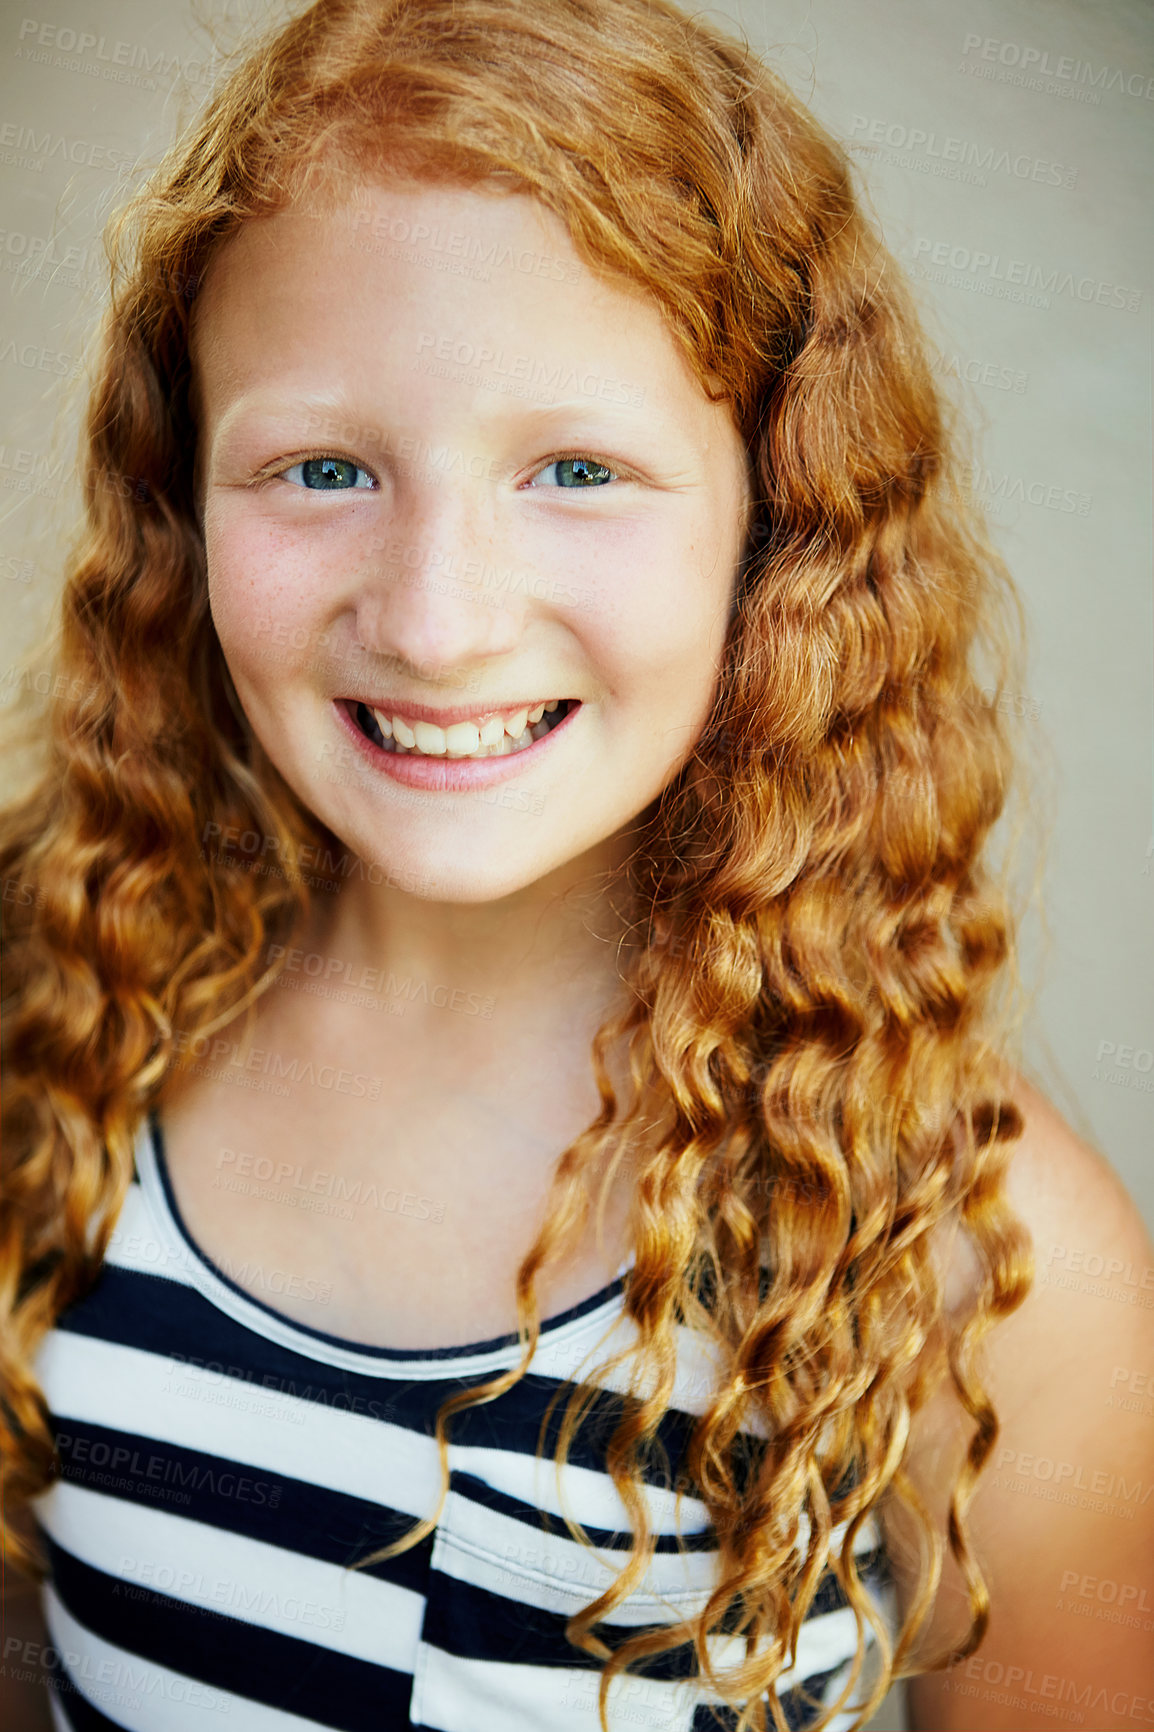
[463,739]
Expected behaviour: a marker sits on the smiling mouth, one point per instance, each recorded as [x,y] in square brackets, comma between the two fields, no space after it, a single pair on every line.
[496,736]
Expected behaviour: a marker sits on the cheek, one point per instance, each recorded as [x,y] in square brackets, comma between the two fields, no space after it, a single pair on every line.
[655,611]
[258,591]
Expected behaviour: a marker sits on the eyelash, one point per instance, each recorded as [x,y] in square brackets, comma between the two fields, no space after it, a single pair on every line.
[282,470]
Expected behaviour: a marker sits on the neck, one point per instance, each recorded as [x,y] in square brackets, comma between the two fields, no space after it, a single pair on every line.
[553,943]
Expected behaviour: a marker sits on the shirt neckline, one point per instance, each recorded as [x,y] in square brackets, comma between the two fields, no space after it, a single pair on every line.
[229,1296]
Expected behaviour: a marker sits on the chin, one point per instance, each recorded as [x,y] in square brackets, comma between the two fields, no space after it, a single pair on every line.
[466,881]
[477,864]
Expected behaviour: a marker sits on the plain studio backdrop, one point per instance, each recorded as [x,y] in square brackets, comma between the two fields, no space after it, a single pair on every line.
[1005,148]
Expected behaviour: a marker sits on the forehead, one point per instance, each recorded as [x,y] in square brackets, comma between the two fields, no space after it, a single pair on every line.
[484,285]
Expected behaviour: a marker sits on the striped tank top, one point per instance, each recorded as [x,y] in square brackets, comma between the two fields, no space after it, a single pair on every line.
[223,1466]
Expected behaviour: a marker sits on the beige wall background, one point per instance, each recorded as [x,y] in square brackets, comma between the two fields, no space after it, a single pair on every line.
[1005,146]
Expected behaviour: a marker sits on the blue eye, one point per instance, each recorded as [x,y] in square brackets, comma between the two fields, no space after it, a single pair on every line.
[575,472]
[328,474]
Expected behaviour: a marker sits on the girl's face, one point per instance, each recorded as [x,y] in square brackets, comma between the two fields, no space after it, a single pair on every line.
[450,475]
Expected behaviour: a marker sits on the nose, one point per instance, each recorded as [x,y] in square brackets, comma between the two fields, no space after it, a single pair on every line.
[439,591]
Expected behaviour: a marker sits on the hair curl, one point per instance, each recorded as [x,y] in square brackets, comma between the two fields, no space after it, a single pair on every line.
[815,1084]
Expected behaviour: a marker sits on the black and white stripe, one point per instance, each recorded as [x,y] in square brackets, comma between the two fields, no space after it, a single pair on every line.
[222,1468]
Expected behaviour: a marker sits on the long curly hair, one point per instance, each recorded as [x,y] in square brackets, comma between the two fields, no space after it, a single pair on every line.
[821,962]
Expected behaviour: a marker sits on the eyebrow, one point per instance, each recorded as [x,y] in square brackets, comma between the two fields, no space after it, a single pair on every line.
[581,417]
[519,407]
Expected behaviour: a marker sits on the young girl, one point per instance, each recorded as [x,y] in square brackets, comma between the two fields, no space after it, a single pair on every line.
[517,1210]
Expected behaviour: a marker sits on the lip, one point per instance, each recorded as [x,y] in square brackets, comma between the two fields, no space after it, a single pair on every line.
[448,775]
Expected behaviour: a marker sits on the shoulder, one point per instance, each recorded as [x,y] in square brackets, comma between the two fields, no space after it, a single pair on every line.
[1062,1187]
[1081,1223]
[1062,1521]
